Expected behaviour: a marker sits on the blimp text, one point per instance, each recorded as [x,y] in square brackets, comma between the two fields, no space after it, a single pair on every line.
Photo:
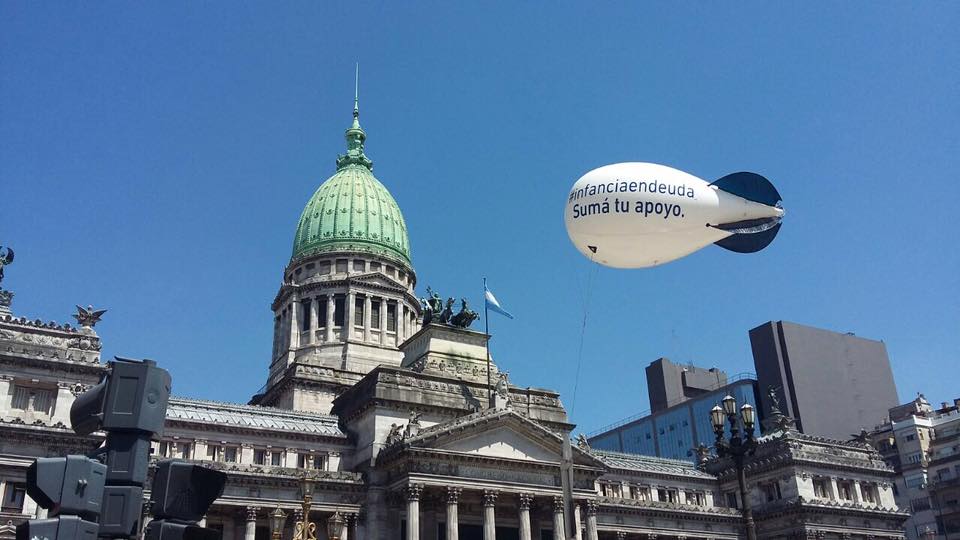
[634,186]
[640,207]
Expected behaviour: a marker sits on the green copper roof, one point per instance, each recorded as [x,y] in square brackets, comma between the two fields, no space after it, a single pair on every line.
[352,210]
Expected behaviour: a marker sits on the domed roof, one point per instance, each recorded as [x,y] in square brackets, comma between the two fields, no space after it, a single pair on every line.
[353,211]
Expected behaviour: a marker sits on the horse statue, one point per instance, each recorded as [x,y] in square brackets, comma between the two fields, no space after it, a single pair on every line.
[447,312]
[465,317]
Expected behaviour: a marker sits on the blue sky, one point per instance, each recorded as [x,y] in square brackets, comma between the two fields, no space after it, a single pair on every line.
[154,160]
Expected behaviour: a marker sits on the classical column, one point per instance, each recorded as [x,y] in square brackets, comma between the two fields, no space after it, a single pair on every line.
[366,317]
[250,533]
[351,306]
[591,520]
[314,314]
[330,306]
[345,533]
[401,329]
[294,323]
[453,519]
[577,522]
[524,507]
[558,519]
[489,514]
[834,491]
[413,511]
[857,492]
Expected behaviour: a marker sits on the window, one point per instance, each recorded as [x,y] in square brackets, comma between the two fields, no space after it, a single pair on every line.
[311,266]
[359,265]
[915,457]
[401,275]
[845,491]
[358,312]
[731,499]
[341,266]
[322,311]
[374,267]
[916,481]
[643,493]
[868,493]
[260,457]
[230,454]
[301,461]
[28,398]
[214,453]
[919,504]
[910,437]
[13,497]
[305,315]
[324,268]
[820,489]
[390,271]
[375,314]
[695,498]
[182,450]
[276,459]
[391,317]
[771,491]
[338,312]
[320,462]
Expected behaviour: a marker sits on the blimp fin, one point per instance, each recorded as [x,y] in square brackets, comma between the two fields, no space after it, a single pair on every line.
[750,186]
[749,237]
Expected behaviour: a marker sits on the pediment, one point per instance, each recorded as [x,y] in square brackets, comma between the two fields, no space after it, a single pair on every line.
[501,434]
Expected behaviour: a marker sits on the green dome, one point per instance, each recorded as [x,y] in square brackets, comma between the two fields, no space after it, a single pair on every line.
[353,211]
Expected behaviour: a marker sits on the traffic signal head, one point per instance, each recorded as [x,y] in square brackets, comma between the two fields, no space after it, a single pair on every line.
[60,528]
[132,397]
[67,485]
[184,491]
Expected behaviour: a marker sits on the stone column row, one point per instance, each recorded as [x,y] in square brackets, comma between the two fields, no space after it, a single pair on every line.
[414,491]
[290,319]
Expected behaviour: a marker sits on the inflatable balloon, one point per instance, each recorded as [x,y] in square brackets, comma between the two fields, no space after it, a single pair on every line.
[637,215]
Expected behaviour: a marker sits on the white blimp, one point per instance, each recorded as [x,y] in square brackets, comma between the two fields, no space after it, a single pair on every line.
[637,215]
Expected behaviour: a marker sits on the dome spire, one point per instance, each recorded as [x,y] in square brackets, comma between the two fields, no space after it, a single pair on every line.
[355,135]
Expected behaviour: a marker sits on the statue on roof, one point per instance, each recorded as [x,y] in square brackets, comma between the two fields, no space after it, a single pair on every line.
[465,317]
[6,258]
[447,312]
[582,442]
[432,306]
[88,317]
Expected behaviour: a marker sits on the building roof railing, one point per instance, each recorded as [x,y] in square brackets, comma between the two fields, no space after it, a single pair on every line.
[731,379]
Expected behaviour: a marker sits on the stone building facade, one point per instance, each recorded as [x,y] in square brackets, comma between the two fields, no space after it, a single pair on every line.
[922,444]
[395,421]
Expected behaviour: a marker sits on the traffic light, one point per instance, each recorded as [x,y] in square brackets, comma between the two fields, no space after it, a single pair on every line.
[132,397]
[130,404]
[180,496]
[71,488]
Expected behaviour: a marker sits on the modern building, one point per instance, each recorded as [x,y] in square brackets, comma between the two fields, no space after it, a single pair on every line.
[669,384]
[922,444]
[390,418]
[833,384]
[678,421]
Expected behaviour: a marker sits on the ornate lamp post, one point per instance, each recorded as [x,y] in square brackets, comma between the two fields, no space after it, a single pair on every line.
[738,447]
[335,526]
[277,518]
[305,530]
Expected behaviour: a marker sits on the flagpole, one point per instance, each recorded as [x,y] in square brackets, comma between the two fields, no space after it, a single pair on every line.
[486,330]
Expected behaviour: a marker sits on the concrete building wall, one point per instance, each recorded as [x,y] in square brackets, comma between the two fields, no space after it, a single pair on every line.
[833,384]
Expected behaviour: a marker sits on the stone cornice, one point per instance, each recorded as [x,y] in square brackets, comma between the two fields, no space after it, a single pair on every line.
[351,283]
[612,505]
[54,439]
[806,506]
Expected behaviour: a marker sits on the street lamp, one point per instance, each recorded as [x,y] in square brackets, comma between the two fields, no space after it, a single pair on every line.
[277,518]
[335,526]
[737,447]
[304,529]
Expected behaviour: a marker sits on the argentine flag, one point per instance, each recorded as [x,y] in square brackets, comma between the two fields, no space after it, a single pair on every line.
[492,304]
